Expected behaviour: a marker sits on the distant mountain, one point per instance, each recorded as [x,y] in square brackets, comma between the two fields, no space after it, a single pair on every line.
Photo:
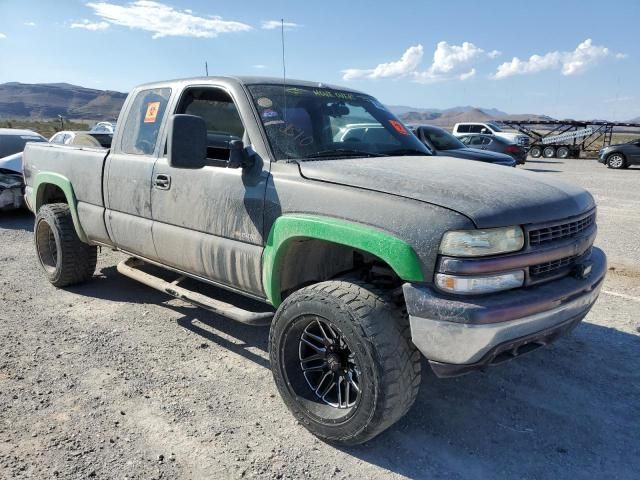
[402,109]
[634,120]
[48,100]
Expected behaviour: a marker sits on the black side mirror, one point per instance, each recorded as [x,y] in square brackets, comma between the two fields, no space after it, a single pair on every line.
[187,144]
[238,156]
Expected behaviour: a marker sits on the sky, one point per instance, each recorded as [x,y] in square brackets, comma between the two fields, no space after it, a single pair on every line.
[567,59]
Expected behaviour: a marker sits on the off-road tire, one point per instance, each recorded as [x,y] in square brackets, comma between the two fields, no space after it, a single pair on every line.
[535,152]
[65,259]
[616,161]
[378,331]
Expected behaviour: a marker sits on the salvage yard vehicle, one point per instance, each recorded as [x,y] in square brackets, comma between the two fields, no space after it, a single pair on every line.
[489,128]
[88,139]
[441,142]
[496,144]
[12,142]
[364,254]
[621,156]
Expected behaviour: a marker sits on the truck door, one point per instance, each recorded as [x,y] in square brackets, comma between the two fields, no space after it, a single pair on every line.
[129,170]
[209,221]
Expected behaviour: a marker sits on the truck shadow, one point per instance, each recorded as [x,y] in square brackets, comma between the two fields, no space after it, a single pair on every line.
[17,220]
[569,410]
[541,170]
[111,285]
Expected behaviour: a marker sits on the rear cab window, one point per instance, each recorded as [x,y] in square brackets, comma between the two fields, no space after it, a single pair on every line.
[141,129]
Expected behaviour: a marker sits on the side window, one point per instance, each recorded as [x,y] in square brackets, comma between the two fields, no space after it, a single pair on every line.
[143,121]
[57,138]
[465,140]
[463,128]
[477,141]
[221,116]
[475,128]
[486,141]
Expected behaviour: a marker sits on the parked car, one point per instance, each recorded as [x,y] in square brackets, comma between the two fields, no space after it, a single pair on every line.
[12,142]
[361,254]
[441,142]
[88,139]
[622,155]
[489,128]
[104,127]
[496,144]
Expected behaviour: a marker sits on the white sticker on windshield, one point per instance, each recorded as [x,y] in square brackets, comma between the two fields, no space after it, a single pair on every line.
[265,102]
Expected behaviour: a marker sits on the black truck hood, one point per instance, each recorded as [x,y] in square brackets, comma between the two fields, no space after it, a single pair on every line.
[477,154]
[490,195]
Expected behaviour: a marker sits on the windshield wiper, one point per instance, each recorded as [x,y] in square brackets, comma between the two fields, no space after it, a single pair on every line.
[344,152]
[407,151]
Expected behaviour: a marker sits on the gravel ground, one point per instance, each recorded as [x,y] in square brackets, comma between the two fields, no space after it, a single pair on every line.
[114,380]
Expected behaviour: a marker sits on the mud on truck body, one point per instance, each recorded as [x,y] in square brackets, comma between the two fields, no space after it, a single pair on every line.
[365,254]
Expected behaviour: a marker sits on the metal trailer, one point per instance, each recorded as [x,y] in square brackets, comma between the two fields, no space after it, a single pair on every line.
[566,138]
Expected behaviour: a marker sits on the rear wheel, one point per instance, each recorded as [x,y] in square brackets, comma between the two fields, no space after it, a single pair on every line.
[616,161]
[535,152]
[549,152]
[66,260]
[343,361]
[563,152]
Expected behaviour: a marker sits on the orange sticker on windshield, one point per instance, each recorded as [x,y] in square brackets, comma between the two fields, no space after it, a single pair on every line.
[398,127]
[152,112]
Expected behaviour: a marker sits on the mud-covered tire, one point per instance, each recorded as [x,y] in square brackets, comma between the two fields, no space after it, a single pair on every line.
[65,259]
[378,333]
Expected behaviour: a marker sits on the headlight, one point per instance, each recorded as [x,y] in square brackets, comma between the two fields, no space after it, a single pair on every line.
[477,285]
[477,243]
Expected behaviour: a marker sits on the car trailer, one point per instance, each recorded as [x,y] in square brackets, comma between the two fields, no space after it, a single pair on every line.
[566,138]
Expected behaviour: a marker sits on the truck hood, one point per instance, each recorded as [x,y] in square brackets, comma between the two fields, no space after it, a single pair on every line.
[490,195]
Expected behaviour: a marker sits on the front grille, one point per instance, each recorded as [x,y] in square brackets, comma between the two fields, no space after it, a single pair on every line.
[560,231]
[550,268]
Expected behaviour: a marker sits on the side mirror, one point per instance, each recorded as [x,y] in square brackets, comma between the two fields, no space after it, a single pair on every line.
[238,156]
[484,131]
[187,143]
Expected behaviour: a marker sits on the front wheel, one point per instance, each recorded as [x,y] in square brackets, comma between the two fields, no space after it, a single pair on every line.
[616,161]
[343,361]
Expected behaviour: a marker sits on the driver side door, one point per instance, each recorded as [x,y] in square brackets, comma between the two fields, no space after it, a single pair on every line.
[209,221]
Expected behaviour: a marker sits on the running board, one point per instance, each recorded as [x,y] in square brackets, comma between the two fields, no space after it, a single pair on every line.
[130,268]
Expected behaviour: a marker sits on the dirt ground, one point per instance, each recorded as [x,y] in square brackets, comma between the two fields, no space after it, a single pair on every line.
[114,380]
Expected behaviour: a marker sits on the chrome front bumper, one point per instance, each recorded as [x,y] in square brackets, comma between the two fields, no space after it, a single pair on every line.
[459,335]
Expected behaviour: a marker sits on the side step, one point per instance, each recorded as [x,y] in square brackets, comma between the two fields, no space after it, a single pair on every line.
[130,268]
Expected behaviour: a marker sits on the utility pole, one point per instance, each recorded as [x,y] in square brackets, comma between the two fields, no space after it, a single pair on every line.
[206,69]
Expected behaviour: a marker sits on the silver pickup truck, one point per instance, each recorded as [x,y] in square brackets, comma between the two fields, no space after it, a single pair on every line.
[365,252]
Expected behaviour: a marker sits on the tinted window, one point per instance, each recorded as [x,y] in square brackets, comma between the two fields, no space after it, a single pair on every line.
[10,144]
[466,140]
[143,122]
[220,114]
[319,122]
[463,128]
[475,128]
[442,140]
[477,141]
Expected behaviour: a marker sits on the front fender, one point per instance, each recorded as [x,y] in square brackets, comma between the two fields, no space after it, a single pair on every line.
[398,254]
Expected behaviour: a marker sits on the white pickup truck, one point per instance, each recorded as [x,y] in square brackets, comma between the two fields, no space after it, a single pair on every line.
[466,128]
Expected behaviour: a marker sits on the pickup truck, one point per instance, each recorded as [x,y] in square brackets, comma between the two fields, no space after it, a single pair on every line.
[460,129]
[365,253]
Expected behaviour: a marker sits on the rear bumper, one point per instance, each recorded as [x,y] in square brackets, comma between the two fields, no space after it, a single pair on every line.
[460,335]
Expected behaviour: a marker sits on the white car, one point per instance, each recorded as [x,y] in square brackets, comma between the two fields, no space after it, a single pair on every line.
[87,139]
[104,127]
[460,129]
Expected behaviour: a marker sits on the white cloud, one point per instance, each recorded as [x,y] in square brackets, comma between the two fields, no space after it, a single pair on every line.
[494,53]
[2,36]
[449,62]
[30,24]
[260,66]
[273,24]
[407,64]
[621,56]
[88,25]
[164,21]
[575,62]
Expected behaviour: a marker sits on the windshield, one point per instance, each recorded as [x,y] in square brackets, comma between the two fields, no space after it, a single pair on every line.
[326,123]
[442,140]
[494,127]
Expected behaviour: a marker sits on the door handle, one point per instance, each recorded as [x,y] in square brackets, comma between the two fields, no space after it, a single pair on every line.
[162,181]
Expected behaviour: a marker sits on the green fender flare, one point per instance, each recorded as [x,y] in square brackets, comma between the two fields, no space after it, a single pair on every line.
[400,256]
[41,180]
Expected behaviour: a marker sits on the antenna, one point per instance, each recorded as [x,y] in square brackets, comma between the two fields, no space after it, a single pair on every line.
[206,69]
[284,70]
